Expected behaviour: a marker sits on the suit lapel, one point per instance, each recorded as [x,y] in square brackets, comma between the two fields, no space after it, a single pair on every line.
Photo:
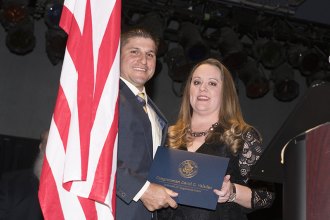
[161,119]
[137,109]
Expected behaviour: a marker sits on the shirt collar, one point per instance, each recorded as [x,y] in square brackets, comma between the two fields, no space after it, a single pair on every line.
[133,88]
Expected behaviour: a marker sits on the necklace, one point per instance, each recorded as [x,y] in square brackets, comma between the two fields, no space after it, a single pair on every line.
[202,133]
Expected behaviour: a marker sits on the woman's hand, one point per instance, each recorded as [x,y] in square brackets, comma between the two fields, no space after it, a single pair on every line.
[225,191]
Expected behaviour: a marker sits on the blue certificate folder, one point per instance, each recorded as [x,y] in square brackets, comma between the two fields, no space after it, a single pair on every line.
[192,175]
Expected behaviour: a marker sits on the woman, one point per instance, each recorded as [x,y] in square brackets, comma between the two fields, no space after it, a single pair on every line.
[210,122]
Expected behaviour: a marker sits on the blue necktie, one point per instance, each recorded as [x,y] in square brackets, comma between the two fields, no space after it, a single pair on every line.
[142,100]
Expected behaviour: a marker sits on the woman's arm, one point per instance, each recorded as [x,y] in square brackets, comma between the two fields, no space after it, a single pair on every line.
[261,196]
[248,196]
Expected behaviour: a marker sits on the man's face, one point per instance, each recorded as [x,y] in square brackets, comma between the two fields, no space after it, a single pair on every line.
[138,61]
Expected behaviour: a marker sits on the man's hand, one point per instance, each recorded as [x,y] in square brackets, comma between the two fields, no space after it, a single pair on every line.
[157,196]
[225,190]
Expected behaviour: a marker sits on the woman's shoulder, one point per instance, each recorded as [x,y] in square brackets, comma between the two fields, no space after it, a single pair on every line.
[251,134]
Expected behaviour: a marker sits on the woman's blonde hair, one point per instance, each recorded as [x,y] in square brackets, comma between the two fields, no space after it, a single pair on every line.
[231,122]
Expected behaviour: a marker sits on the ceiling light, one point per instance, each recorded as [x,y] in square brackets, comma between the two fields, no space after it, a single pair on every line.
[271,53]
[310,62]
[53,11]
[295,54]
[55,45]
[156,23]
[194,46]
[231,48]
[178,66]
[20,39]
[255,81]
[13,14]
[285,87]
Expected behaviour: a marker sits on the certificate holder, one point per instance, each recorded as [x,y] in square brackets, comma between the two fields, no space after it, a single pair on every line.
[192,175]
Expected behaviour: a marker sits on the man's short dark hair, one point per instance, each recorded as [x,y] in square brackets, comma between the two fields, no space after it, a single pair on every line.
[137,31]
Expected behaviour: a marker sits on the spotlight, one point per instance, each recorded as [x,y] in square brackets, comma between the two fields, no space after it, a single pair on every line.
[13,14]
[295,54]
[53,13]
[286,88]
[20,38]
[310,62]
[234,57]
[271,53]
[194,46]
[255,81]
[156,23]
[55,45]
[283,31]
[178,66]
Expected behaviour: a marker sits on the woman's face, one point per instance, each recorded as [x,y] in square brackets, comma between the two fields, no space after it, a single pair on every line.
[205,90]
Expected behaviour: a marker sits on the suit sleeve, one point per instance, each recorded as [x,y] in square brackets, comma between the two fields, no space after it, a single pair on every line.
[134,149]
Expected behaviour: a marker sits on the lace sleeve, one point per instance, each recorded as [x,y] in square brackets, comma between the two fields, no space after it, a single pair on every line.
[262,195]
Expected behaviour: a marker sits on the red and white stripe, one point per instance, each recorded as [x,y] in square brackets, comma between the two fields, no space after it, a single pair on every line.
[78,175]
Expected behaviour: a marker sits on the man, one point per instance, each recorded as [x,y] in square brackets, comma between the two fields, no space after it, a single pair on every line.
[19,190]
[142,128]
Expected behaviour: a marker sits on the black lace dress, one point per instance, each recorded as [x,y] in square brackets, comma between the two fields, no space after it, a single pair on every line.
[239,168]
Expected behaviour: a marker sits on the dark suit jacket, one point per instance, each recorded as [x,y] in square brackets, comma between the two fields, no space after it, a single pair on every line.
[134,154]
[19,196]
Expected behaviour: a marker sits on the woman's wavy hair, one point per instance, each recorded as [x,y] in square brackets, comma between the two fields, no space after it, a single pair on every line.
[231,123]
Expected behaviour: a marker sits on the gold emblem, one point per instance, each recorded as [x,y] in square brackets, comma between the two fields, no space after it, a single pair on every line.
[188,169]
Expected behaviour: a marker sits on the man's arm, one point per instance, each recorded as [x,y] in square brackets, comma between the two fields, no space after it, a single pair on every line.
[128,183]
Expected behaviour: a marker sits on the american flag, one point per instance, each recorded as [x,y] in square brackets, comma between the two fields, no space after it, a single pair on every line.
[78,174]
